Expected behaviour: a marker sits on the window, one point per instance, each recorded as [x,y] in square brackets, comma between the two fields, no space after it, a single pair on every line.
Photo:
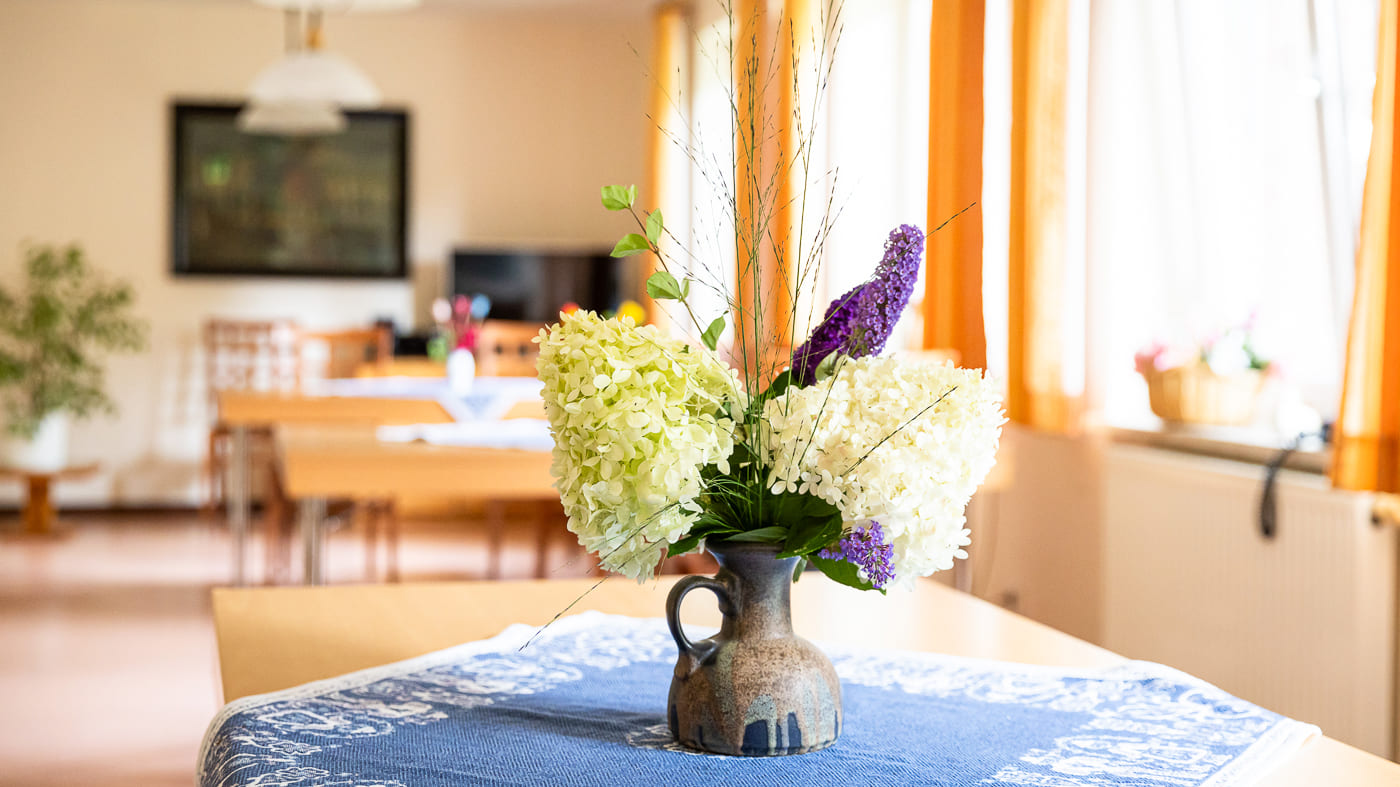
[1226,152]
[876,128]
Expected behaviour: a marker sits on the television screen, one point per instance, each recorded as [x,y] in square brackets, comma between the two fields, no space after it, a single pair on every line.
[253,204]
[532,286]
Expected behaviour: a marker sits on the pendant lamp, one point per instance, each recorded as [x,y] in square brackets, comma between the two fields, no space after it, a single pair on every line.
[304,92]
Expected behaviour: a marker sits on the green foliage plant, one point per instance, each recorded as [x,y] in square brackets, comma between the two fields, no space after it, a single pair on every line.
[54,331]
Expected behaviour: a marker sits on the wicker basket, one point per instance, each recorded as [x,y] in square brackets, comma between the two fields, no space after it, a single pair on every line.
[1195,394]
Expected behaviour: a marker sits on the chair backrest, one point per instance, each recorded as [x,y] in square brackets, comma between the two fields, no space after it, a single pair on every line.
[340,354]
[244,355]
[507,349]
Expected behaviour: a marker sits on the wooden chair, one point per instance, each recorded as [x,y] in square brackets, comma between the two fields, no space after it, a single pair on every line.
[341,354]
[276,355]
[334,355]
[507,349]
[243,355]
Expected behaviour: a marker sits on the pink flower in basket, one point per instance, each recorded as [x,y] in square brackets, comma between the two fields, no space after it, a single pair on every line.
[1160,356]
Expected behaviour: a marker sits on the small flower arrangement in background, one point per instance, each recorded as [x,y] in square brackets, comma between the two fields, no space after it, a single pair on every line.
[1216,381]
[1231,351]
[458,323]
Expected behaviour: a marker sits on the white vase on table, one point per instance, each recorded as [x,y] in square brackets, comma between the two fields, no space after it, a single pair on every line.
[45,452]
[461,371]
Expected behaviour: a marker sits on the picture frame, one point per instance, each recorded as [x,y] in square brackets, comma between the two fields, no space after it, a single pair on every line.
[333,205]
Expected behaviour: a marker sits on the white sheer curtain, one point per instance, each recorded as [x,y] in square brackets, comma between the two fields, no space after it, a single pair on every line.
[877,140]
[1224,178]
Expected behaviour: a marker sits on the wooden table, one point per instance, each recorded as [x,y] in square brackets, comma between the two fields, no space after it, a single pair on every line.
[320,462]
[241,411]
[276,638]
[38,513]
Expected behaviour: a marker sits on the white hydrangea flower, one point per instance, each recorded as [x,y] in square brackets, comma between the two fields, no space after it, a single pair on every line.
[635,417]
[826,440]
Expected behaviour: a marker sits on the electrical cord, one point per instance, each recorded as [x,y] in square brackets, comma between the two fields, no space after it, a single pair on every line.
[1268,498]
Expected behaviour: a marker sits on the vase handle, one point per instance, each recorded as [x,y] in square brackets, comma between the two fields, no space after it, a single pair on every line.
[673,612]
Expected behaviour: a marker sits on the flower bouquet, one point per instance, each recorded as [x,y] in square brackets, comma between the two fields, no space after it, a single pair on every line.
[834,458]
[458,324]
[1216,381]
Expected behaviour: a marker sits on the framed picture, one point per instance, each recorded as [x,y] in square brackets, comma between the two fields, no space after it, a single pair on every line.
[257,205]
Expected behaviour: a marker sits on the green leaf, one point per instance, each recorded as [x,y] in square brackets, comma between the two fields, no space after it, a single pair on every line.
[631,244]
[811,535]
[654,225]
[663,286]
[812,522]
[707,525]
[842,571]
[619,197]
[767,535]
[827,367]
[711,335]
[778,386]
[798,568]
[685,546]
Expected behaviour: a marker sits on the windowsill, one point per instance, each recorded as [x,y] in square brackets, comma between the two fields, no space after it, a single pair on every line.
[1240,443]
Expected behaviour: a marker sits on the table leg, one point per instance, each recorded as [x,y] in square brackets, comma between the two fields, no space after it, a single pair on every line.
[313,516]
[496,521]
[38,507]
[238,495]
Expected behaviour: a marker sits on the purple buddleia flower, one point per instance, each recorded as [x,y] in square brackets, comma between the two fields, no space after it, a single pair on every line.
[866,548]
[831,335]
[884,298]
[860,322]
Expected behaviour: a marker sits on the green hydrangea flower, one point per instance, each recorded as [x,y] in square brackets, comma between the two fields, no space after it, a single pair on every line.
[635,417]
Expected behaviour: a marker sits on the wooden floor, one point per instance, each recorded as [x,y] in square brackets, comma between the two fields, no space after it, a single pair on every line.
[107,665]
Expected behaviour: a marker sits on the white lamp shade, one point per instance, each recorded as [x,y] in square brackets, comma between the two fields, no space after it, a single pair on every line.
[314,77]
[291,120]
[335,6]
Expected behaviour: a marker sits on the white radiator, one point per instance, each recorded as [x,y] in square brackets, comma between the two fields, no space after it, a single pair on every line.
[1303,624]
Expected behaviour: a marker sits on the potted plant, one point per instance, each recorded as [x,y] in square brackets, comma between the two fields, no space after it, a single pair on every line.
[1214,382]
[53,332]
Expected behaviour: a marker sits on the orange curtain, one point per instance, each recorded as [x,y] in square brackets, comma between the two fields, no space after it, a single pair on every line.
[1368,427]
[748,21]
[764,35]
[953,275]
[1041,389]
[668,65]
[794,38]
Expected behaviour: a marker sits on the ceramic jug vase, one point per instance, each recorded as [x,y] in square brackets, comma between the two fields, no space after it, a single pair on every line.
[754,688]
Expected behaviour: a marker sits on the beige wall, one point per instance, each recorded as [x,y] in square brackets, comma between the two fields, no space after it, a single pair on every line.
[516,121]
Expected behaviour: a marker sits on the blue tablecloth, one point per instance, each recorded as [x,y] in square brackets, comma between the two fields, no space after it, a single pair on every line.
[584,704]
